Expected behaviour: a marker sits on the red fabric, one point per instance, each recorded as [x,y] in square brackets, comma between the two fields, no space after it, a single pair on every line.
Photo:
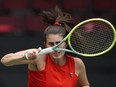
[54,75]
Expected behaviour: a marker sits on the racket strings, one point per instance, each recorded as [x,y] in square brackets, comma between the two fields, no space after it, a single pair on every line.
[92,37]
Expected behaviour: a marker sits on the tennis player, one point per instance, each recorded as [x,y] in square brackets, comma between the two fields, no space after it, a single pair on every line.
[56,69]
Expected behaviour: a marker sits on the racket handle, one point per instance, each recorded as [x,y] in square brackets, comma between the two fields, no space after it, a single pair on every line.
[45,51]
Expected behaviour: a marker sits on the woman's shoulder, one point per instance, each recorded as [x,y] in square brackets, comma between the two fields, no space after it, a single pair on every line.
[79,62]
[76,59]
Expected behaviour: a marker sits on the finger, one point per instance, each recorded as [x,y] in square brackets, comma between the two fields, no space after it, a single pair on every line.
[40,48]
[30,55]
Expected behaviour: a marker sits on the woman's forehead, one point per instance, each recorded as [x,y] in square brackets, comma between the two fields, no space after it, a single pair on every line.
[54,37]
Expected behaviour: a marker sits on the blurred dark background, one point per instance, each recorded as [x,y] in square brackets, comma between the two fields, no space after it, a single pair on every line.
[21,28]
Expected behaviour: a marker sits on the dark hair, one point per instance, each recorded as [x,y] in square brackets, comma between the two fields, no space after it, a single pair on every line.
[64,23]
[56,15]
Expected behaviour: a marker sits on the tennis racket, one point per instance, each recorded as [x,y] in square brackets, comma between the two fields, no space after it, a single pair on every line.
[89,38]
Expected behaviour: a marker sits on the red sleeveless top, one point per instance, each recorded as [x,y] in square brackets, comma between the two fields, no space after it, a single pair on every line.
[54,75]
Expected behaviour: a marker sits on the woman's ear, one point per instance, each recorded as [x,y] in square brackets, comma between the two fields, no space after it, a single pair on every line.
[44,44]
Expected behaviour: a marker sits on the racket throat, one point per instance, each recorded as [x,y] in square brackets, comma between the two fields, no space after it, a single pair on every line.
[45,51]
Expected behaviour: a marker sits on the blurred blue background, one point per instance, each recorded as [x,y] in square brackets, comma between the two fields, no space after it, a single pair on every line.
[21,28]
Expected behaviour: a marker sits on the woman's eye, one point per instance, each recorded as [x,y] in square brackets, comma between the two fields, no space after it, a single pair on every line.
[51,44]
[58,42]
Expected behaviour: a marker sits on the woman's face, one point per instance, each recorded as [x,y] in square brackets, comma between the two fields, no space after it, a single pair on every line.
[52,40]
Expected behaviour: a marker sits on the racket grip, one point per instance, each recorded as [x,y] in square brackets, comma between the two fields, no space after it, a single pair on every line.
[45,51]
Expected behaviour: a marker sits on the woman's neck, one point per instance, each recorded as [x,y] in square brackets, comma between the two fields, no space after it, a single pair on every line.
[60,62]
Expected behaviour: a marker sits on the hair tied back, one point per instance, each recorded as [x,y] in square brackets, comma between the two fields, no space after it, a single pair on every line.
[57,23]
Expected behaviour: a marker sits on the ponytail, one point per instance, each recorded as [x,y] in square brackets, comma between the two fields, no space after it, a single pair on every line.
[57,16]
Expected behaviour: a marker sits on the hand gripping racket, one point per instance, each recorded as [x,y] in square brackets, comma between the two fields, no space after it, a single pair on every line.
[89,38]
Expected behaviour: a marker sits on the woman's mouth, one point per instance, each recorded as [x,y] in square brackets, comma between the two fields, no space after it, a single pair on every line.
[56,52]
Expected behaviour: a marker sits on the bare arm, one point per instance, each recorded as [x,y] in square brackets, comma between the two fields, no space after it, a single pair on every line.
[17,58]
[81,70]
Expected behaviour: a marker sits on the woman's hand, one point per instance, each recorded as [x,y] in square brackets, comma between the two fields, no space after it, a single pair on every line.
[31,54]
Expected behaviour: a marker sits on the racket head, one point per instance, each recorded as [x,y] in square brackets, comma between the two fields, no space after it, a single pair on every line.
[92,37]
